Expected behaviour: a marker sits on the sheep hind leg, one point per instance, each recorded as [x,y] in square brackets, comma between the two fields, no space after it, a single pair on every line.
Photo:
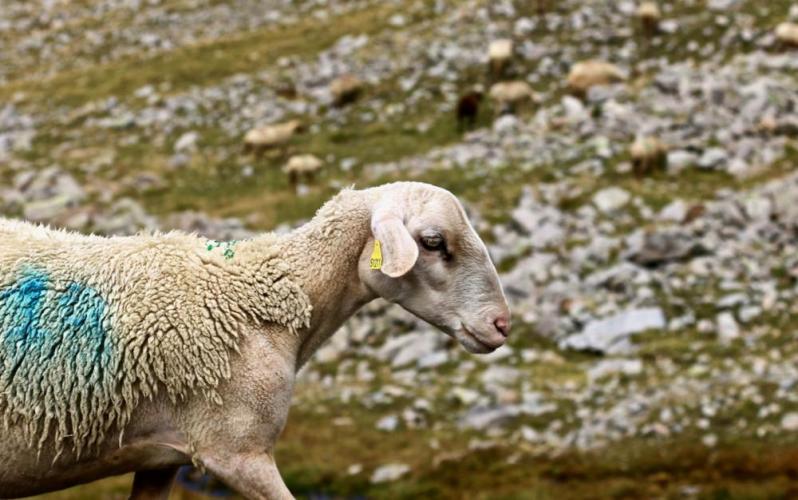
[153,484]
[253,476]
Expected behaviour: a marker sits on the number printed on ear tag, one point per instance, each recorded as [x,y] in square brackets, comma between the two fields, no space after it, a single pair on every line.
[376,256]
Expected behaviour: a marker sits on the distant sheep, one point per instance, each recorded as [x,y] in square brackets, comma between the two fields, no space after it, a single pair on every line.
[508,96]
[500,53]
[586,74]
[787,33]
[267,137]
[649,15]
[302,166]
[346,89]
[648,154]
[468,109]
[149,352]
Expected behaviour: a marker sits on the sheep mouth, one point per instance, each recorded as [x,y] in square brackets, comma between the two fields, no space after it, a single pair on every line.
[487,346]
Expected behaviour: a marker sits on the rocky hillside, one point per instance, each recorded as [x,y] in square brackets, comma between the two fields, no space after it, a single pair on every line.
[645,224]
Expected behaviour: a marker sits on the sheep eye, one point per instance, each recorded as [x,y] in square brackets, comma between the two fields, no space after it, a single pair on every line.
[432,242]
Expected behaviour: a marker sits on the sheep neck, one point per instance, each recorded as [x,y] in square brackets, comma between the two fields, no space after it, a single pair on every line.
[324,255]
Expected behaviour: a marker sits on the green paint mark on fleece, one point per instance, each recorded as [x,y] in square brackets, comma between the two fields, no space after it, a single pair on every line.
[228,247]
[57,359]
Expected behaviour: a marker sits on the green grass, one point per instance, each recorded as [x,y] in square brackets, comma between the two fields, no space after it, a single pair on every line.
[198,65]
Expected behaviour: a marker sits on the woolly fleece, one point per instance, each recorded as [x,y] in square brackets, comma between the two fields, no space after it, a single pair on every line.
[89,325]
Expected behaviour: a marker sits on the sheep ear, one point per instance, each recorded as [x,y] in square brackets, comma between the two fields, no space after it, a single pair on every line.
[399,250]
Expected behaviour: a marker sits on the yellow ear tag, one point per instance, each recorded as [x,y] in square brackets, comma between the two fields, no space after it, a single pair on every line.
[376,256]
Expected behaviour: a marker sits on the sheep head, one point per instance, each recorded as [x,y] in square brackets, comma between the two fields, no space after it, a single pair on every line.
[432,263]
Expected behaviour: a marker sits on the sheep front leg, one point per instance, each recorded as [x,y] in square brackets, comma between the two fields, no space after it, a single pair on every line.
[152,484]
[253,476]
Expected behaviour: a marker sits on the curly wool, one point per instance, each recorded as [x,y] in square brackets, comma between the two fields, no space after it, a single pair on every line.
[89,326]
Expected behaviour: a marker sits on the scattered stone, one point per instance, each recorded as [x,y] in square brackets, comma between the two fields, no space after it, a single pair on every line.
[628,367]
[713,158]
[187,143]
[611,199]
[789,422]
[611,334]
[728,329]
[389,473]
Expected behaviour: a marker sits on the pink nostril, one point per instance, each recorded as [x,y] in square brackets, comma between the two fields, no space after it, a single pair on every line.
[503,325]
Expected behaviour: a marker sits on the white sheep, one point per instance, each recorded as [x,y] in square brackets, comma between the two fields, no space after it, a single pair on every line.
[500,53]
[299,166]
[787,33]
[586,74]
[649,15]
[507,96]
[266,137]
[648,154]
[148,352]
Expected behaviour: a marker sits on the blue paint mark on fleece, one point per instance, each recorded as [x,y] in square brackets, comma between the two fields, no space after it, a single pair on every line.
[48,326]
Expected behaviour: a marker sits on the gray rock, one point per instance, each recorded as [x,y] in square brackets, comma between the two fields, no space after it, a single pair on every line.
[713,158]
[789,422]
[433,360]
[388,423]
[675,211]
[389,472]
[679,160]
[187,143]
[415,352]
[45,210]
[728,329]
[629,367]
[610,334]
[611,199]
[664,246]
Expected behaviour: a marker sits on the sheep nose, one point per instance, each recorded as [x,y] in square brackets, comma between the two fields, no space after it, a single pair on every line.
[502,324]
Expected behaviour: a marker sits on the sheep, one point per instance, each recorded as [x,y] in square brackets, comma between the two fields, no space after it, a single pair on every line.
[648,154]
[149,352]
[509,95]
[302,166]
[500,52]
[649,15]
[586,74]
[345,89]
[787,34]
[468,109]
[266,137]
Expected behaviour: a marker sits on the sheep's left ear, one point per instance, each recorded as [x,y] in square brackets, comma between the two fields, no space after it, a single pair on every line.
[399,249]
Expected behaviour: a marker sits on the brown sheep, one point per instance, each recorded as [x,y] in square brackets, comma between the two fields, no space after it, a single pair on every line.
[468,109]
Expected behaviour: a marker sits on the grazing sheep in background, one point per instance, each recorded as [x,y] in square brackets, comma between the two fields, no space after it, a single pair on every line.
[787,33]
[500,53]
[586,74]
[302,166]
[266,137]
[648,154]
[507,96]
[468,109]
[149,352]
[346,89]
[649,15]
